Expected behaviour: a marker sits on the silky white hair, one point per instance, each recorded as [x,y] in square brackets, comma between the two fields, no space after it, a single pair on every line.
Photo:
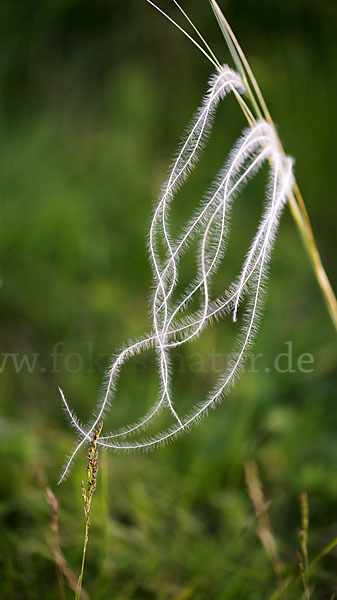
[209,228]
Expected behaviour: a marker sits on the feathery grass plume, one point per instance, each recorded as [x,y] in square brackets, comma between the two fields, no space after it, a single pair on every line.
[172,324]
[256,145]
[88,490]
[220,84]
[186,158]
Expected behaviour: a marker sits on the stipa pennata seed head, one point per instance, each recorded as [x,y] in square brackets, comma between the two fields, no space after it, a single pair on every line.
[209,226]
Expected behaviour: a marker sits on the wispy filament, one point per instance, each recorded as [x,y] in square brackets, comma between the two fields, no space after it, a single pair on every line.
[209,226]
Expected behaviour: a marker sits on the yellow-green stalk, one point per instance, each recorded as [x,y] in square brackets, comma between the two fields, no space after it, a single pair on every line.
[295,199]
[88,490]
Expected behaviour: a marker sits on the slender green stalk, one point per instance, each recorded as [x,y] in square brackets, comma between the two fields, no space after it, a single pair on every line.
[295,199]
[301,217]
[303,560]
[264,529]
[88,490]
[104,466]
[80,579]
[209,50]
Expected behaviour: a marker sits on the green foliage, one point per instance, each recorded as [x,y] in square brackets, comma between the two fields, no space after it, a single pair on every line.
[88,119]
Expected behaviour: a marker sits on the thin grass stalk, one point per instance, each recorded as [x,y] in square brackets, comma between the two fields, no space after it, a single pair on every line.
[264,529]
[295,198]
[303,537]
[88,491]
[80,579]
[300,215]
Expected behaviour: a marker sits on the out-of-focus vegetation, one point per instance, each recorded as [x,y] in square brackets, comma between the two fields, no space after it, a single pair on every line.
[93,98]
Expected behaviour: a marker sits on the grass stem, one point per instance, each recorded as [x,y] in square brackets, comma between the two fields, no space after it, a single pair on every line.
[295,199]
[88,491]
[300,215]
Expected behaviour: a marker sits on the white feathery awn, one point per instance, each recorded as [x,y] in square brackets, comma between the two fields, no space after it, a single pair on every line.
[209,226]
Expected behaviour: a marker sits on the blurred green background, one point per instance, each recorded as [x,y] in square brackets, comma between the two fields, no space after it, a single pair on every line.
[93,99]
